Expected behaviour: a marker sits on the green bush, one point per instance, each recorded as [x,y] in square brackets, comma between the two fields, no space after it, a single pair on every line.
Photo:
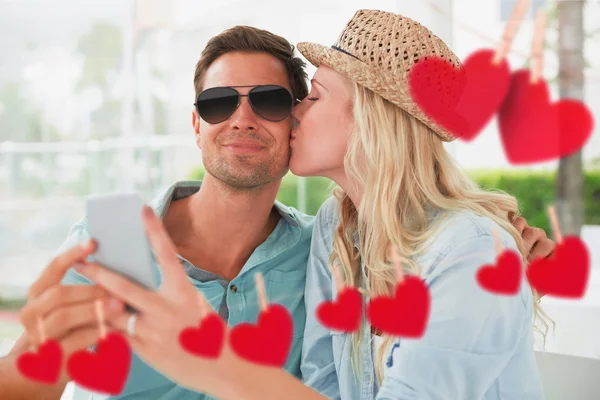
[534,190]
[12,304]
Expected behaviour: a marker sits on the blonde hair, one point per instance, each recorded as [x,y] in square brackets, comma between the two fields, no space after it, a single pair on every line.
[403,172]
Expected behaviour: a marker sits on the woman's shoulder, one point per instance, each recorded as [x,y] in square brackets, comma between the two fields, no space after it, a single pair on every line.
[329,209]
[327,216]
[461,226]
[463,236]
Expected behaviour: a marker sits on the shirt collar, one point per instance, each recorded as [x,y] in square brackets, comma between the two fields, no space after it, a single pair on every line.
[183,189]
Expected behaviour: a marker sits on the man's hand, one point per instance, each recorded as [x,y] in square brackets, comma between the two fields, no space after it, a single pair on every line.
[159,320]
[536,242]
[66,311]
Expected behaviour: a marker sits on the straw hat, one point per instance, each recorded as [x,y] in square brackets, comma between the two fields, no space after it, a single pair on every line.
[377,50]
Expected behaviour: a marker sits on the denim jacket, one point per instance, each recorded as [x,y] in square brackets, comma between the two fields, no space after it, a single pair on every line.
[477,345]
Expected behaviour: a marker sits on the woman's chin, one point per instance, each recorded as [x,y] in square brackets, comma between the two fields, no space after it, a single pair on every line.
[299,168]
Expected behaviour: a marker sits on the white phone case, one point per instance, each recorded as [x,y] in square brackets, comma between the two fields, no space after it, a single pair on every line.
[115,222]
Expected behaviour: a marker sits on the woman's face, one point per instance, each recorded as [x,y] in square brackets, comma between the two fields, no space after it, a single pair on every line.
[324,125]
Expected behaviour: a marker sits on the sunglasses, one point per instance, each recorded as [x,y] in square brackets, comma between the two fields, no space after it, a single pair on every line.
[271,102]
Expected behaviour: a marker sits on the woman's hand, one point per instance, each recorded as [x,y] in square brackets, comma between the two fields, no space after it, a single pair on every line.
[536,242]
[163,314]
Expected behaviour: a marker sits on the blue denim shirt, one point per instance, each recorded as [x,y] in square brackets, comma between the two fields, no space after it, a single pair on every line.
[281,258]
[477,345]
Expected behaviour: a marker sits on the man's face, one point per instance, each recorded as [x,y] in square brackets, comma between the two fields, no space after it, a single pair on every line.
[245,151]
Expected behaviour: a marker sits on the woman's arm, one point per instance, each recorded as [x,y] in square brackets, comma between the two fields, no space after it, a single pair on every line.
[471,335]
[318,369]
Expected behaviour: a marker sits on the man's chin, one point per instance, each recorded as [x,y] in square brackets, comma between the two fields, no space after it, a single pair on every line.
[248,178]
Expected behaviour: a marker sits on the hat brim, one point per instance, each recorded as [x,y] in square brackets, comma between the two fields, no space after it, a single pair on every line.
[393,89]
[318,54]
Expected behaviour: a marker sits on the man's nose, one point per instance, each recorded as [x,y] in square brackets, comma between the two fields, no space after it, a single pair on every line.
[244,118]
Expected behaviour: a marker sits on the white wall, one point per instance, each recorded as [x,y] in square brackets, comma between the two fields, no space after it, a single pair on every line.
[477,24]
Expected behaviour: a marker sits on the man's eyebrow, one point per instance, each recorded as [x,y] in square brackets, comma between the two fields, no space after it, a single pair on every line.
[313,81]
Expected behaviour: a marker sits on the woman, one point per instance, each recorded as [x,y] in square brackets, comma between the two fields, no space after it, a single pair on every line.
[398,187]
[360,127]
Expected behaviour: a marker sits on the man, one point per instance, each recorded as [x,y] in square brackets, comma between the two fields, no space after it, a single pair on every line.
[225,229]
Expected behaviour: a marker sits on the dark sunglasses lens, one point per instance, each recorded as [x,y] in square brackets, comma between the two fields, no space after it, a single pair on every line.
[271,102]
[215,105]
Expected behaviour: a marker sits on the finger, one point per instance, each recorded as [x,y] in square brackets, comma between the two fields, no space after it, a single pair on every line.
[122,288]
[55,298]
[60,322]
[166,253]
[62,295]
[143,331]
[531,236]
[80,339]
[542,249]
[58,267]
[520,223]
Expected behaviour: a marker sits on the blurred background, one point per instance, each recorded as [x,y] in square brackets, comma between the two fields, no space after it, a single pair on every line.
[96,96]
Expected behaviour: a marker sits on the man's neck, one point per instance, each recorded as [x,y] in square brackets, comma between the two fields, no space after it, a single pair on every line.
[220,227]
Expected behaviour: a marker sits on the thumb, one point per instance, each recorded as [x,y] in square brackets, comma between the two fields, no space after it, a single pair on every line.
[174,276]
[58,267]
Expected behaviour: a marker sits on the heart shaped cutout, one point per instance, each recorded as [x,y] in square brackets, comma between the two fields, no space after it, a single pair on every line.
[565,273]
[535,130]
[462,100]
[105,370]
[44,365]
[207,339]
[269,341]
[504,277]
[342,314]
[406,313]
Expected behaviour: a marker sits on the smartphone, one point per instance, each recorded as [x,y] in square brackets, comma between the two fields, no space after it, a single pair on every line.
[115,223]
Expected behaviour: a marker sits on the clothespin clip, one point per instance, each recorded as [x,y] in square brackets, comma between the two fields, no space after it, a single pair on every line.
[537,51]
[510,31]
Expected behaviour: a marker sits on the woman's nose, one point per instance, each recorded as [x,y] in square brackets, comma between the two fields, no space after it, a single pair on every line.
[298,110]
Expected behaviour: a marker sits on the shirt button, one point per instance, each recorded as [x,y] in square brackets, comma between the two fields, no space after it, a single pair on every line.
[233,288]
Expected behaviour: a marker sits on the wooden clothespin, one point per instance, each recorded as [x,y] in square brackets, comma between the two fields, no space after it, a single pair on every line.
[510,31]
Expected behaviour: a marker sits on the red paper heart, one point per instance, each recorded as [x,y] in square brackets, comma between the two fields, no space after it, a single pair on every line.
[406,313]
[461,100]
[535,130]
[207,339]
[105,370]
[43,365]
[269,341]
[564,274]
[344,313]
[504,277]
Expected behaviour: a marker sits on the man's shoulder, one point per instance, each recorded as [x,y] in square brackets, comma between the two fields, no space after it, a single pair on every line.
[176,190]
[304,221]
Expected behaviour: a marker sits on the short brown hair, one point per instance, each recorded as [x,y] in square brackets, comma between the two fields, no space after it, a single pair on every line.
[252,40]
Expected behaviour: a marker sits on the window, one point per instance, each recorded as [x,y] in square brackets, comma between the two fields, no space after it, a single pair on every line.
[507,6]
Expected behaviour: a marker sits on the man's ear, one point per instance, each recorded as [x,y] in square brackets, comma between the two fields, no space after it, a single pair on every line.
[196,125]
